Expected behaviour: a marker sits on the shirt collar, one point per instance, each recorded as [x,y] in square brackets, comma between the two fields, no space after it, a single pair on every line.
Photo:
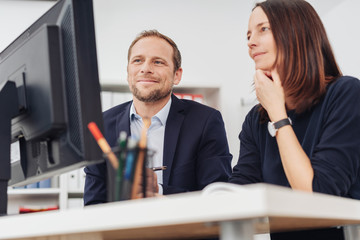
[133,114]
[162,115]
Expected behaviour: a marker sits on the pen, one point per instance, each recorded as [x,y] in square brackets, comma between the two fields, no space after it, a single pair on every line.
[129,169]
[103,144]
[158,168]
[122,142]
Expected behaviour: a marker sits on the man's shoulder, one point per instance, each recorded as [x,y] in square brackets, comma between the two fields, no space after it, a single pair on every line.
[193,106]
[115,111]
[194,113]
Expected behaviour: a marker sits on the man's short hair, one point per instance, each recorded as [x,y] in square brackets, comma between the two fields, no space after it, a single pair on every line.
[155,33]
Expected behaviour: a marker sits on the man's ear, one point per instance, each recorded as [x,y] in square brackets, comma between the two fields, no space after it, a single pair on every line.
[177,76]
[127,73]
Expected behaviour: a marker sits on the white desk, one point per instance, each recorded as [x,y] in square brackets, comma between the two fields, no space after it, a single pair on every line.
[256,209]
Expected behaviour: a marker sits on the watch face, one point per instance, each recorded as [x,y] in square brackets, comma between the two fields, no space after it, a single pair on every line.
[271,129]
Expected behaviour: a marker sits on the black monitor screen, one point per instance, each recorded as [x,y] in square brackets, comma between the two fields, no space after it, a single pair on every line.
[54,67]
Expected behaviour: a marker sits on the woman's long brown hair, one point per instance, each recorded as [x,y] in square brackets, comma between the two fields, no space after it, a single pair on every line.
[305,60]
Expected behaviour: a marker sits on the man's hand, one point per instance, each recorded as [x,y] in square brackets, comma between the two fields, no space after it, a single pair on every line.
[152,187]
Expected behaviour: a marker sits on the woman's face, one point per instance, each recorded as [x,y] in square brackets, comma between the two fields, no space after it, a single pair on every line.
[262,48]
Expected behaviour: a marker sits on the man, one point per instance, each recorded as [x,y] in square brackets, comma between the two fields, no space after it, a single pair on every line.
[188,138]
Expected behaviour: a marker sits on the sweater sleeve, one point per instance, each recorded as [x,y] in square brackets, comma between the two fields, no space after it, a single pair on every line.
[336,157]
[248,168]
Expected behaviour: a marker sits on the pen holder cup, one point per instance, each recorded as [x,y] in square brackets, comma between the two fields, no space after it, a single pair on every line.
[134,172]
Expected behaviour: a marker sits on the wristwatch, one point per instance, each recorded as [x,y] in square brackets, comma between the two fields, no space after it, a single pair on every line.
[273,127]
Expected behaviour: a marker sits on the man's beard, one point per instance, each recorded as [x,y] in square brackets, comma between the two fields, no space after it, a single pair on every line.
[153,96]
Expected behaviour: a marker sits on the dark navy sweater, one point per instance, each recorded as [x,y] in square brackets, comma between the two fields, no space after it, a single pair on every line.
[329,134]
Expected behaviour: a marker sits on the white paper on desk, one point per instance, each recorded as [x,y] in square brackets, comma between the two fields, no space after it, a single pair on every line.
[221,188]
[14,152]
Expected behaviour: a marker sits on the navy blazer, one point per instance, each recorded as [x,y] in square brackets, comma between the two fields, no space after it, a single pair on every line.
[196,150]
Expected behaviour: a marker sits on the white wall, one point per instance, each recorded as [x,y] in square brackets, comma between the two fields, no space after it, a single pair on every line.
[211,35]
[17,15]
[341,19]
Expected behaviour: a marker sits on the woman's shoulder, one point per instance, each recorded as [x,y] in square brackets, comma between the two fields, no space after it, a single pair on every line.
[347,82]
[254,112]
[344,86]
[252,119]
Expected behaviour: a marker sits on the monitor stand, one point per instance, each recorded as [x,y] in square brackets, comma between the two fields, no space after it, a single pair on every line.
[9,108]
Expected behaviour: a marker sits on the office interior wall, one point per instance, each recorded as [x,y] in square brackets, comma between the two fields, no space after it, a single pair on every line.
[17,15]
[211,35]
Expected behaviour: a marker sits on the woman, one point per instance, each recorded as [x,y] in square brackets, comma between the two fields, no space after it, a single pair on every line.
[305,133]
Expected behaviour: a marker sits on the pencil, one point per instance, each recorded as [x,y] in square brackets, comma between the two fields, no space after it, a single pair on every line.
[140,160]
[103,144]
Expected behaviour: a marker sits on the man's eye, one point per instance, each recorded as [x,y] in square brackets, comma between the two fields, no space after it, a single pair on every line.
[158,62]
[136,60]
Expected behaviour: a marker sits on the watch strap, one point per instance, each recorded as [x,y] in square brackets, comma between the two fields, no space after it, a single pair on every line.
[281,123]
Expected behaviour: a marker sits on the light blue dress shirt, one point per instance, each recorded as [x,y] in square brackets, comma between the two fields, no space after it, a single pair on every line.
[155,135]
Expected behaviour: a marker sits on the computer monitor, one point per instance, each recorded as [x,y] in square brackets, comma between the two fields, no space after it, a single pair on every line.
[53,68]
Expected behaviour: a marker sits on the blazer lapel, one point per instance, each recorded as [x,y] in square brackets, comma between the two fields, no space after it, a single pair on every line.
[123,121]
[172,130]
